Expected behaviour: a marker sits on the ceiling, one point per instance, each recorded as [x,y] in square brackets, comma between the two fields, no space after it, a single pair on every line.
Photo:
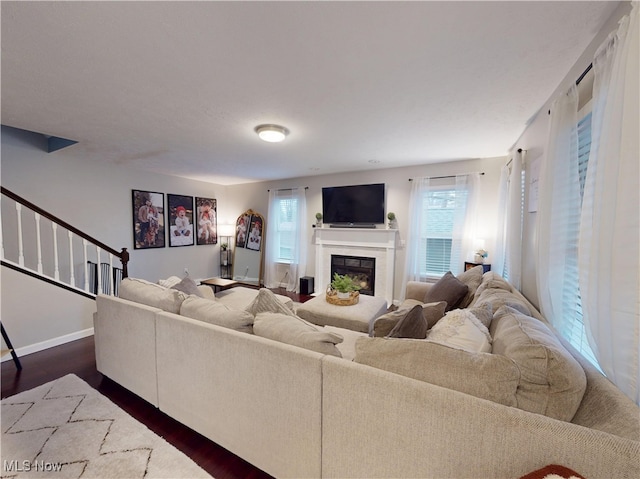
[178,87]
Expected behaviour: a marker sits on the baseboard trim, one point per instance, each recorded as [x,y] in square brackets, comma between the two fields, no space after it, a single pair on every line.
[50,343]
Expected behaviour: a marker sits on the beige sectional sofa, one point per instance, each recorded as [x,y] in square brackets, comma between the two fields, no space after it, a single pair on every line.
[401,408]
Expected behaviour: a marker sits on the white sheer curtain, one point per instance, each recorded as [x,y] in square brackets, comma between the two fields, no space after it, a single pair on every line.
[466,190]
[294,229]
[417,228]
[559,194]
[465,220]
[610,222]
[508,255]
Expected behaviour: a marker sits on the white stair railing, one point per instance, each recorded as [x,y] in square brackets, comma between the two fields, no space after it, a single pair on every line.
[52,256]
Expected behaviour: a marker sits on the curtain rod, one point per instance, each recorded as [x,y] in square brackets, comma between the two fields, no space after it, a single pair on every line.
[509,162]
[581,77]
[449,176]
[289,189]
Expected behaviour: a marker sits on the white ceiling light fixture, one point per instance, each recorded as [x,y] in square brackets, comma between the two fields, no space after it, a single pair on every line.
[272,133]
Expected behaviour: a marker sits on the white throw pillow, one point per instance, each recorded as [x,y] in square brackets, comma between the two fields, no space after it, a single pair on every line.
[460,329]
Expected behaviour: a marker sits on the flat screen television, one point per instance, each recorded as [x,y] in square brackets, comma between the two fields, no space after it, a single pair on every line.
[355,205]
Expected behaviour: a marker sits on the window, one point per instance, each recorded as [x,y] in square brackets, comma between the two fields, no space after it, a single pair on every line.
[574,329]
[439,210]
[286,228]
[505,272]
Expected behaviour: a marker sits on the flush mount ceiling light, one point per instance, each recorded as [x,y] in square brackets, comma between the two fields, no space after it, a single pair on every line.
[272,133]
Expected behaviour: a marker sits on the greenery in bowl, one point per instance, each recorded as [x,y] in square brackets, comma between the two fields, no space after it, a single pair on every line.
[318,216]
[391,216]
[344,283]
[224,246]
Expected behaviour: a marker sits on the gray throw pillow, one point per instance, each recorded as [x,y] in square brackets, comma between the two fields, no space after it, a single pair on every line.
[188,286]
[449,289]
[266,302]
[413,325]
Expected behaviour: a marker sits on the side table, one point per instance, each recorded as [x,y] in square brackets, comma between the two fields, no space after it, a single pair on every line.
[485,266]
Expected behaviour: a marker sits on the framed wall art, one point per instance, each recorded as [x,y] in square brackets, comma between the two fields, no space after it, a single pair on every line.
[148,219]
[254,239]
[180,218]
[207,221]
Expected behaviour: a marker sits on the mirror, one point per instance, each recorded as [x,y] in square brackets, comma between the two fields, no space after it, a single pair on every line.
[249,245]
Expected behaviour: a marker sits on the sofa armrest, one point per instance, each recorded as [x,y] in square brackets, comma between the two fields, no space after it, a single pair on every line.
[417,290]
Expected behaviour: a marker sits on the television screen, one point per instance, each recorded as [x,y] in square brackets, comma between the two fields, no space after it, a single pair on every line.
[353,205]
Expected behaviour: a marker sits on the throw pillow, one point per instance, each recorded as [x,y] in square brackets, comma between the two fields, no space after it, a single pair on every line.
[412,325]
[483,313]
[188,286]
[449,289]
[151,294]
[462,330]
[383,325]
[266,302]
[215,312]
[487,376]
[297,332]
[472,278]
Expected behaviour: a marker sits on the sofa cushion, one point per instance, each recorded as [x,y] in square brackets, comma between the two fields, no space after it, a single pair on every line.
[484,375]
[496,298]
[383,325]
[267,302]
[462,330]
[412,325]
[449,289]
[289,329]
[187,286]
[151,294]
[472,278]
[492,280]
[217,313]
[170,281]
[551,382]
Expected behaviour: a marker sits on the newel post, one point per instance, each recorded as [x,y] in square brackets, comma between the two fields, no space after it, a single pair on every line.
[124,258]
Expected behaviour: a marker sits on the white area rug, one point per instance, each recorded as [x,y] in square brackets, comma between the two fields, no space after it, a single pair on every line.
[66,428]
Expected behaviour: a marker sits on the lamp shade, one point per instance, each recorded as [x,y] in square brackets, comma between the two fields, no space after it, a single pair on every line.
[225,230]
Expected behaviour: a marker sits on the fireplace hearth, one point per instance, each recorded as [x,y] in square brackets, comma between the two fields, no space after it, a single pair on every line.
[360,269]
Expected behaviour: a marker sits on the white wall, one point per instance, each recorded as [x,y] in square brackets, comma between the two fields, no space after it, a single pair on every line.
[534,140]
[398,188]
[97,200]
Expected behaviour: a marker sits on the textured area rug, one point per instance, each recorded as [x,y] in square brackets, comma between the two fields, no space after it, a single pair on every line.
[66,428]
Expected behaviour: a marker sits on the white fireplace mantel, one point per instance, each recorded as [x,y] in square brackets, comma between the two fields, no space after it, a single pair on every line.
[368,242]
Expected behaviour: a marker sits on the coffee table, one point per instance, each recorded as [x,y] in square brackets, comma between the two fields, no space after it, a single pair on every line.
[219,284]
[355,317]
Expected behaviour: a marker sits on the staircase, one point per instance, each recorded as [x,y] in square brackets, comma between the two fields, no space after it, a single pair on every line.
[39,244]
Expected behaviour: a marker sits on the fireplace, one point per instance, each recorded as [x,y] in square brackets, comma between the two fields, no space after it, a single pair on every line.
[377,243]
[360,269]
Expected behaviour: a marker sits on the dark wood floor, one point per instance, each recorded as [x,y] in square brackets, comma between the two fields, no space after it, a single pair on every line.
[78,357]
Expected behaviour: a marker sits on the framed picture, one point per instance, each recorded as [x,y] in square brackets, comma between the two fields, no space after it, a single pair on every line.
[180,216]
[206,220]
[254,239]
[148,219]
[242,229]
